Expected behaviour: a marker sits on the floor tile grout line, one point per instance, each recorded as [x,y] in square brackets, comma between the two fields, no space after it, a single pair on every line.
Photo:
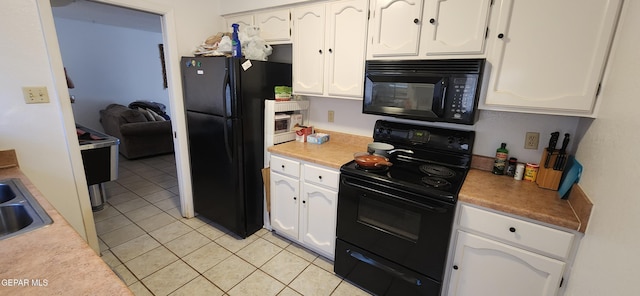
[137,170]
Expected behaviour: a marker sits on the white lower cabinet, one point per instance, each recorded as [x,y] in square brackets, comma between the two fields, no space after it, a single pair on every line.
[497,255]
[304,203]
[486,267]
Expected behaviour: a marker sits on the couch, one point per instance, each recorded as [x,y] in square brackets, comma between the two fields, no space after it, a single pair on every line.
[141,133]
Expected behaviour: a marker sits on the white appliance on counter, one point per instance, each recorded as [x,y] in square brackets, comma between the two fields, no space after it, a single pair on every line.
[280,117]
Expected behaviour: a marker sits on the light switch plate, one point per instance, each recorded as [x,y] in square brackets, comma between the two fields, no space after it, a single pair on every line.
[35,94]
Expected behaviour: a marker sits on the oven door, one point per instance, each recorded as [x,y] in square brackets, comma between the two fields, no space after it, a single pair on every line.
[408,229]
[405,95]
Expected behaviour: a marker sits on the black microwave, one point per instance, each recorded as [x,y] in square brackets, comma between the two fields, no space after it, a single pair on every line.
[428,90]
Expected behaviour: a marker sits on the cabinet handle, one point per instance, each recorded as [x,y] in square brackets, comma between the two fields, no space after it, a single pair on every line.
[432,21]
[455,267]
[500,36]
[295,198]
[415,21]
[320,51]
[304,201]
[512,229]
[320,177]
[283,166]
[330,50]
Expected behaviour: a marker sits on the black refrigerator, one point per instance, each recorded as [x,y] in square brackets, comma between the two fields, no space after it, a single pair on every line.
[224,102]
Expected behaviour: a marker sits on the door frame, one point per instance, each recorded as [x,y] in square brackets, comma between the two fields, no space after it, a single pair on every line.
[178,122]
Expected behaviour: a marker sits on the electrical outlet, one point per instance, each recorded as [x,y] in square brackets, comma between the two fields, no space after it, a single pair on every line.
[330,116]
[35,94]
[531,140]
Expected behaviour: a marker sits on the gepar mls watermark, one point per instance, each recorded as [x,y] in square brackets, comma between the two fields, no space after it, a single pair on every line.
[24,282]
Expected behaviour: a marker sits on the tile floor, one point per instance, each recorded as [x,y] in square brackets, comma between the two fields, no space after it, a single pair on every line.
[156,251]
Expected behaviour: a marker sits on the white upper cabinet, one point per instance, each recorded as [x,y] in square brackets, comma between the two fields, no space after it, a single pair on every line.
[308,49]
[394,28]
[415,29]
[346,43]
[454,27]
[548,56]
[275,25]
[329,45]
[243,20]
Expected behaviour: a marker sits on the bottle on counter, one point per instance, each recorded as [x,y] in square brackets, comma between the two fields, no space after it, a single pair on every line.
[511,167]
[236,47]
[500,161]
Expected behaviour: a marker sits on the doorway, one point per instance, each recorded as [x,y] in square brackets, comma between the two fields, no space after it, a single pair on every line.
[175,99]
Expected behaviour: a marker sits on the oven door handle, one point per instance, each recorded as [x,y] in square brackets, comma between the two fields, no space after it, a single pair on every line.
[387,269]
[397,198]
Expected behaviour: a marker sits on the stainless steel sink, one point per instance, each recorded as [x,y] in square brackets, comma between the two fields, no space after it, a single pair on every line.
[19,211]
[6,194]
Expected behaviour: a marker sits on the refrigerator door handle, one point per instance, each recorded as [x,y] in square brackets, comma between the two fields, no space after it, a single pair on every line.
[226,119]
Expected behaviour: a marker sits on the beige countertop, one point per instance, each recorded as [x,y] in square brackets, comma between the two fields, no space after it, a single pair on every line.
[54,256]
[524,199]
[338,151]
[481,187]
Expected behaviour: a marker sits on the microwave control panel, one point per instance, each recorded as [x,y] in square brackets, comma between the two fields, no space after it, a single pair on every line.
[461,93]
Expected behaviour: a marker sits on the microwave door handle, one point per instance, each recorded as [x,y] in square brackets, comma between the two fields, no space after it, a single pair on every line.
[442,99]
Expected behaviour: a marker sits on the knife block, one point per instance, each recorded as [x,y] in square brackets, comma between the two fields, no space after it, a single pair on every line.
[548,177]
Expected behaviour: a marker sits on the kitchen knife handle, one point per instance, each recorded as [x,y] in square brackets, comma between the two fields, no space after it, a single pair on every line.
[552,146]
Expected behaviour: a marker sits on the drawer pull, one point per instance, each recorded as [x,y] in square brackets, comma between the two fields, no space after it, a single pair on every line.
[283,166]
[512,229]
[320,177]
[455,267]
[295,198]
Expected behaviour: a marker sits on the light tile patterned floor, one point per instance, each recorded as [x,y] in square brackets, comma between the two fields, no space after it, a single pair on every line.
[156,251]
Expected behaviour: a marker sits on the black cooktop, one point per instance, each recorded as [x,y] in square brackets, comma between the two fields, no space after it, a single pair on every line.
[427,178]
[437,167]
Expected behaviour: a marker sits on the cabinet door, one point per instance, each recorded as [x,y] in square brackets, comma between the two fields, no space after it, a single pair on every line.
[284,205]
[346,47]
[274,26]
[455,26]
[485,267]
[542,61]
[308,49]
[243,20]
[395,28]
[318,219]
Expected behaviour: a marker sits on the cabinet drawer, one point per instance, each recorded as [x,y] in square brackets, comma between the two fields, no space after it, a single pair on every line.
[538,237]
[321,176]
[285,166]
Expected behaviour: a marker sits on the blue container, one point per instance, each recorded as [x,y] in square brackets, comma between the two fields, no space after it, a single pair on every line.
[236,48]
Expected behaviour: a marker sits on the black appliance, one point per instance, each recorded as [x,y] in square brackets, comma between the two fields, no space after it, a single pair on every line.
[428,90]
[100,160]
[394,223]
[224,101]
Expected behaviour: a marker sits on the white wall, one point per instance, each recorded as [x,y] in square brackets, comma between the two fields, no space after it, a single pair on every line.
[44,134]
[109,64]
[607,258]
[37,132]
[491,129]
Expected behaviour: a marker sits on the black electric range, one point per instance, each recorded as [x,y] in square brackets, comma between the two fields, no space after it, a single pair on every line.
[394,223]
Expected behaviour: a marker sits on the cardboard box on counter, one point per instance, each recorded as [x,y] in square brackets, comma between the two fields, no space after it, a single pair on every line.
[302,132]
[318,138]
